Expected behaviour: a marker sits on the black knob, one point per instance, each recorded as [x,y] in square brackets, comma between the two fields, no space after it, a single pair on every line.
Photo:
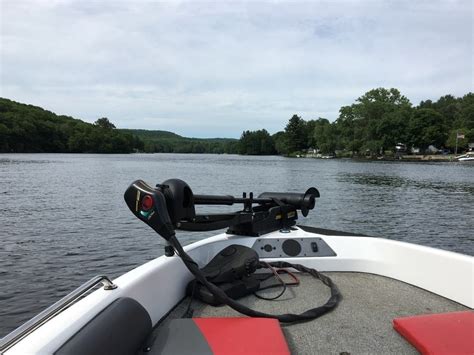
[268,248]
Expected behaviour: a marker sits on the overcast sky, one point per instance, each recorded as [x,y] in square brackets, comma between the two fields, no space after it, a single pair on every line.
[217,68]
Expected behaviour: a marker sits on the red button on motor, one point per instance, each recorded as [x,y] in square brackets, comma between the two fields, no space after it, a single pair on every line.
[147,203]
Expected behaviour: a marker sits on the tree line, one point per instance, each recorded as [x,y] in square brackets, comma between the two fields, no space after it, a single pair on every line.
[31,129]
[191,145]
[168,142]
[373,125]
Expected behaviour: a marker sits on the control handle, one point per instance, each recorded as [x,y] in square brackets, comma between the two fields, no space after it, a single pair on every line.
[149,205]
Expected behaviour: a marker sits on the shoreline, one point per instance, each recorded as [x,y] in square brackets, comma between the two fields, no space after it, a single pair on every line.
[432,158]
[451,158]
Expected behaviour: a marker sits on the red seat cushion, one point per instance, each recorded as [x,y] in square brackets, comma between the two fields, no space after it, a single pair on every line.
[243,335]
[444,333]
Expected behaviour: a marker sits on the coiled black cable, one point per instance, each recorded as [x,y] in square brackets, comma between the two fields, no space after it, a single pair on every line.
[220,295]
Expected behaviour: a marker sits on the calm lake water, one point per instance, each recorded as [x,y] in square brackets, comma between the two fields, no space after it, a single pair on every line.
[63,218]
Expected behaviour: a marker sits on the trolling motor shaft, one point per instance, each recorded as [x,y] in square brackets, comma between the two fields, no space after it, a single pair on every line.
[304,202]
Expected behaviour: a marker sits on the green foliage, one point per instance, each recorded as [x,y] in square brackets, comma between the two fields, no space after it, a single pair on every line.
[27,128]
[151,134]
[380,119]
[281,145]
[426,127]
[325,136]
[465,114]
[309,127]
[256,143]
[168,142]
[350,135]
[296,138]
[462,142]
[104,123]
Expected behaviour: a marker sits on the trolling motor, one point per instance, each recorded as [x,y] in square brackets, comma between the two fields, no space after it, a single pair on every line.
[171,205]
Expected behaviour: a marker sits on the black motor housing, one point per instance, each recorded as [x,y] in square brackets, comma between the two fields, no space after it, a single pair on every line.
[232,263]
[179,200]
[232,271]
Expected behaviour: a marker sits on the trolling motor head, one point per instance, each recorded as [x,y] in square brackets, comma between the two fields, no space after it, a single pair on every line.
[149,205]
[179,200]
[171,205]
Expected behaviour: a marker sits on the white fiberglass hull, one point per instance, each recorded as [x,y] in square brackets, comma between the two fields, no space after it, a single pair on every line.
[160,284]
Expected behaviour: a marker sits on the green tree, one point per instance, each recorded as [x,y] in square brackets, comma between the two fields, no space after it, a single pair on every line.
[231,147]
[448,106]
[350,134]
[309,129]
[426,104]
[427,127]
[104,123]
[295,134]
[377,121]
[281,145]
[256,143]
[465,115]
[4,138]
[325,136]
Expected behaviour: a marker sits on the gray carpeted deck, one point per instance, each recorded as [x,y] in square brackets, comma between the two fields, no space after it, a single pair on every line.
[362,323]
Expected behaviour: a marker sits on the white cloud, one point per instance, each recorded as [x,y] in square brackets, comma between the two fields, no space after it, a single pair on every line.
[215,69]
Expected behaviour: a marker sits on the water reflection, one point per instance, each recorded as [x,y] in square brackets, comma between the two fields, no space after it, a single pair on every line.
[401,182]
[23,161]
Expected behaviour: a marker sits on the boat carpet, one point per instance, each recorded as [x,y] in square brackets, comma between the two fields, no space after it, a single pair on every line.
[361,324]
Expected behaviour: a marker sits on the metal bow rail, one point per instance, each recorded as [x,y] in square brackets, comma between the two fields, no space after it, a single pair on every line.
[27,328]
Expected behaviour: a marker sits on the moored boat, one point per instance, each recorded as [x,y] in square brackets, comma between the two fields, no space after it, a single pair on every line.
[466,158]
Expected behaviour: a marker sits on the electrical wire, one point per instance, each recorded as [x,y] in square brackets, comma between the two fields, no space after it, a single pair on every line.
[277,276]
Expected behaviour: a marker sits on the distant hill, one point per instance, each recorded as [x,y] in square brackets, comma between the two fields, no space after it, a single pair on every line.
[31,129]
[151,134]
[156,141]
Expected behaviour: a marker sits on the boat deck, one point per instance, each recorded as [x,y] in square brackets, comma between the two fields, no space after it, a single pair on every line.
[361,324]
